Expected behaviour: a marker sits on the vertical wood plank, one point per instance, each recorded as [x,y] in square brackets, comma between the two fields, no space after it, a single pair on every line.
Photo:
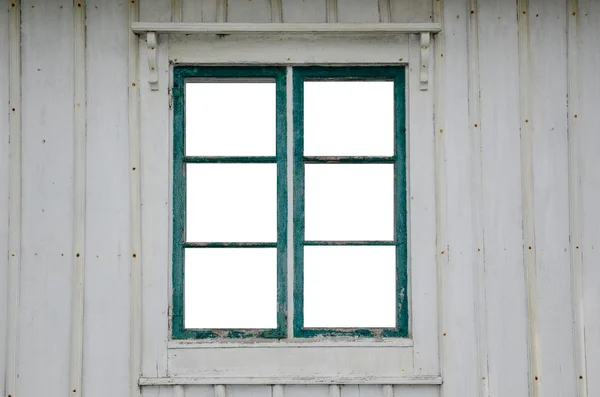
[221,10]
[553,364]
[306,390]
[255,11]
[199,391]
[416,391]
[135,268]
[155,10]
[502,205]
[332,10]
[192,10]
[304,11]
[406,11]
[460,274]
[248,391]
[10,203]
[107,315]
[47,198]
[358,11]
[385,12]
[220,391]
[421,155]
[575,194]
[79,204]
[155,211]
[277,391]
[276,11]
[585,118]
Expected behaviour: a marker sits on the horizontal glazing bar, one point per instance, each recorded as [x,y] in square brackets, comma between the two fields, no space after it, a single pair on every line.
[335,243]
[229,245]
[348,160]
[248,159]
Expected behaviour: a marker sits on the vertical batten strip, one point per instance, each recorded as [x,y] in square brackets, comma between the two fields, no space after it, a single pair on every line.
[14,234]
[221,10]
[176,11]
[134,184]
[332,11]
[77,301]
[178,391]
[527,187]
[441,202]
[477,198]
[388,391]
[290,198]
[277,390]
[385,13]
[220,391]
[575,198]
[276,11]
[335,391]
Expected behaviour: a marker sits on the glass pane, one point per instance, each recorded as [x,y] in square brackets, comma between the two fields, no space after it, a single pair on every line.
[348,287]
[349,202]
[231,203]
[349,118]
[230,119]
[230,288]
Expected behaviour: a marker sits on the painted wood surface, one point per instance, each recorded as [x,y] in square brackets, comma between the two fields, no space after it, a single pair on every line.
[47,198]
[106,319]
[514,151]
[585,119]
[4,185]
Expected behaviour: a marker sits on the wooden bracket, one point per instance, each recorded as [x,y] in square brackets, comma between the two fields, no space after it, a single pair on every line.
[425,54]
[152,60]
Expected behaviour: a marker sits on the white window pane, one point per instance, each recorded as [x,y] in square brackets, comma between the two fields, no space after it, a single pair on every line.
[230,288]
[349,202]
[230,119]
[349,287]
[231,203]
[349,118]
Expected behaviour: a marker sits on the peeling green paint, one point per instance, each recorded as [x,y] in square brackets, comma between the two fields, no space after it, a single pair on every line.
[397,75]
[181,73]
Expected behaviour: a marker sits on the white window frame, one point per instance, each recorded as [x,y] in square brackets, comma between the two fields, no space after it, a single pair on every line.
[412,360]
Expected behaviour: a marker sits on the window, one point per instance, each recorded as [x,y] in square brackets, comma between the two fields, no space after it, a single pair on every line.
[230,202]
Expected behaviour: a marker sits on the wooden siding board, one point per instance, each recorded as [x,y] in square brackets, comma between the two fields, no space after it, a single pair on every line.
[587,121]
[358,11]
[502,200]
[47,198]
[155,10]
[304,11]
[4,184]
[155,211]
[458,327]
[106,319]
[199,10]
[411,11]
[550,187]
[248,11]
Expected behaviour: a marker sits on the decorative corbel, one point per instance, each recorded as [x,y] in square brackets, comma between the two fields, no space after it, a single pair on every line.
[424,70]
[152,55]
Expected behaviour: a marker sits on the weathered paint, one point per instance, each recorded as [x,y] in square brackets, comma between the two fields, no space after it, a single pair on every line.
[477,356]
[397,75]
[180,243]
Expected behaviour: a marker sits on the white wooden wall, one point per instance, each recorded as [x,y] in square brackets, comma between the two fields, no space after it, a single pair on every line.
[517,88]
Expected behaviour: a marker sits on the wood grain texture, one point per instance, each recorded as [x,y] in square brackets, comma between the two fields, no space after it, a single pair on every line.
[506,313]
[107,315]
[548,120]
[460,276]
[5,182]
[47,198]
[589,144]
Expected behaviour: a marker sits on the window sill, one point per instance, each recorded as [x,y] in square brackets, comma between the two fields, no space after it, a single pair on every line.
[294,343]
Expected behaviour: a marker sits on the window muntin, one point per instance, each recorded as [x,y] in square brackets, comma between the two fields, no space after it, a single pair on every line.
[243,170]
[390,79]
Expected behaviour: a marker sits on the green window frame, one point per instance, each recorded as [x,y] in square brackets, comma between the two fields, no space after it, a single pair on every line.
[300,75]
[181,75]
[361,73]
